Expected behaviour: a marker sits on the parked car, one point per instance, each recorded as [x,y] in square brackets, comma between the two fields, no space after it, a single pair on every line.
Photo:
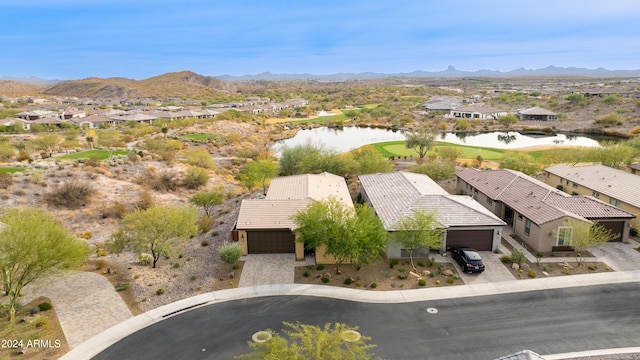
[469,259]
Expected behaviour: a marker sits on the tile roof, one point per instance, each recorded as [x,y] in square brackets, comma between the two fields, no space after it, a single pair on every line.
[482,109]
[536,200]
[314,186]
[536,110]
[269,214]
[286,196]
[615,183]
[398,194]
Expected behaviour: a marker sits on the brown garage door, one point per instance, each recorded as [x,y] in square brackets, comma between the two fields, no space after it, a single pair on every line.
[271,242]
[478,239]
[616,227]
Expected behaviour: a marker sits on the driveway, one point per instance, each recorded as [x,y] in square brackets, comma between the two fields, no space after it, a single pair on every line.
[619,256]
[495,270]
[265,269]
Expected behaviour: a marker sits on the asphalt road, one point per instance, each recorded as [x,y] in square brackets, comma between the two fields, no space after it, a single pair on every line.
[547,322]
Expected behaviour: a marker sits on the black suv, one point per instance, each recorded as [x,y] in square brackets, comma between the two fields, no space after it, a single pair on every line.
[469,259]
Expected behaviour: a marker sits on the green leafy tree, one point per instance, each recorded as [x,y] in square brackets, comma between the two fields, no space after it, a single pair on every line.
[258,172]
[109,138]
[369,161]
[520,161]
[157,230]
[230,253]
[419,231]
[310,158]
[199,157]
[437,169]
[611,154]
[349,234]
[577,99]
[583,236]
[195,177]
[508,120]
[310,342]
[421,139]
[449,153]
[48,142]
[34,245]
[208,200]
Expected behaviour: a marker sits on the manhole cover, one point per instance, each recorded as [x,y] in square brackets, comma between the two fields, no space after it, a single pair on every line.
[432,310]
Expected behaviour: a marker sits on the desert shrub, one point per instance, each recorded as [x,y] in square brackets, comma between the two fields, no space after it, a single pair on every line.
[199,157]
[325,279]
[422,282]
[532,274]
[44,306]
[145,259]
[87,235]
[247,153]
[517,256]
[204,242]
[102,252]
[402,276]
[432,261]
[121,286]
[195,178]
[451,280]
[6,180]
[347,281]
[134,158]
[393,262]
[319,267]
[41,322]
[229,252]
[116,210]
[505,259]
[160,291]
[23,155]
[235,266]
[71,194]
[215,233]
[373,285]
[592,267]
[633,232]
[193,277]
[176,265]
[610,119]
[101,264]
[205,223]
[305,274]
[635,130]
[145,201]
[37,177]
[437,169]
[420,263]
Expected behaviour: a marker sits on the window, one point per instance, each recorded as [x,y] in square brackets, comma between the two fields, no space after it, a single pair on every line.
[574,185]
[527,226]
[489,201]
[595,194]
[564,235]
[614,202]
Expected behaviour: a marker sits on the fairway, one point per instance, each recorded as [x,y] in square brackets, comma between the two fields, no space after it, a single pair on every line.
[11,170]
[397,148]
[95,154]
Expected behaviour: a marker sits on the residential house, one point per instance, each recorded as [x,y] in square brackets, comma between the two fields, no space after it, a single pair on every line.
[137,117]
[634,168]
[477,111]
[616,187]
[442,104]
[537,114]
[36,115]
[72,114]
[93,121]
[26,125]
[539,213]
[463,221]
[265,225]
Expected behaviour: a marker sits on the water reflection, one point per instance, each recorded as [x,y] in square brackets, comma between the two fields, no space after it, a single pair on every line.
[349,138]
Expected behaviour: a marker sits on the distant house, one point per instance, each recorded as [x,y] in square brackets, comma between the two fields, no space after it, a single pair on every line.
[537,212]
[36,115]
[476,111]
[26,125]
[537,114]
[616,187]
[93,121]
[442,104]
[72,114]
[463,221]
[265,225]
[137,117]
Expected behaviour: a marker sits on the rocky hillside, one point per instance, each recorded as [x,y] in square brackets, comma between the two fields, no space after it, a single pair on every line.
[16,88]
[180,84]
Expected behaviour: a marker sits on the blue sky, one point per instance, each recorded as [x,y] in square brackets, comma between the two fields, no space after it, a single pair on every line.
[74,39]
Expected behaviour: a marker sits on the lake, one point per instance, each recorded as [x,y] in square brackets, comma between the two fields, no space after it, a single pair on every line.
[349,138]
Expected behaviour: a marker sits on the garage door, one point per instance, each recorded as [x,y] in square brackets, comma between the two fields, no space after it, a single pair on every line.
[616,227]
[271,242]
[478,239]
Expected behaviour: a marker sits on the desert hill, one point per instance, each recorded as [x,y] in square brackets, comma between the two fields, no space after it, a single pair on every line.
[179,84]
[17,88]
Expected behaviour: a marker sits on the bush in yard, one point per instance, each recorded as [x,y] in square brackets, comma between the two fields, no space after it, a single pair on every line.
[160,291]
[205,223]
[393,262]
[145,259]
[45,306]
[230,252]
[532,274]
[199,157]
[373,285]
[324,279]
[421,282]
[6,180]
[195,178]
[71,194]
